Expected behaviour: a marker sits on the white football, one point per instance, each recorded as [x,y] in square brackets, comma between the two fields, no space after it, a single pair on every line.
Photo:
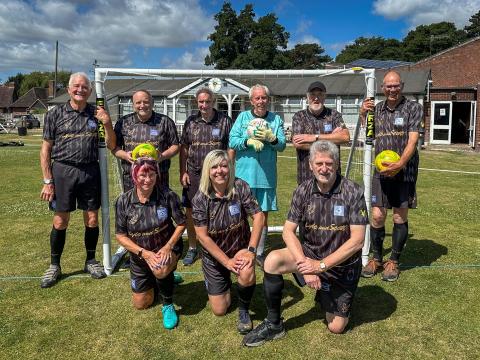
[256,124]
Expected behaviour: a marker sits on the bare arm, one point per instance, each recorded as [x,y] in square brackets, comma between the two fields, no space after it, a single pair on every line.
[48,191]
[345,251]
[338,136]
[170,152]
[291,240]
[104,118]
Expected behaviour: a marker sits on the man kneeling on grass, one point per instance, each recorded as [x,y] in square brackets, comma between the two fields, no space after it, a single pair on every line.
[328,259]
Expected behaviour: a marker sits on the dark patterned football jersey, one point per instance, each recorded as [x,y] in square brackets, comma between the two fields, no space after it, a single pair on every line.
[149,225]
[392,128]
[226,219]
[201,137]
[74,134]
[159,130]
[305,122]
[327,216]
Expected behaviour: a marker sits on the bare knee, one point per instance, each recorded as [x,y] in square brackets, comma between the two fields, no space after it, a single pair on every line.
[60,220]
[378,217]
[219,310]
[337,324]
[142,301]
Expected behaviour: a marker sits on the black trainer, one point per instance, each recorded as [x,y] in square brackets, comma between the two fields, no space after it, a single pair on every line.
[244,325]
[266,331]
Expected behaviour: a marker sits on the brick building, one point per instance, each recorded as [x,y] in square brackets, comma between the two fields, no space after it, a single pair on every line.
[452,95]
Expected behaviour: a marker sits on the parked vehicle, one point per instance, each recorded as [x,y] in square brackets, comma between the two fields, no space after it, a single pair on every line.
[29,121]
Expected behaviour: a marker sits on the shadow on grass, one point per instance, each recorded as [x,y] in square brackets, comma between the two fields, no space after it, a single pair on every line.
[421,252]
[372,303]
[417,252]
[191,297]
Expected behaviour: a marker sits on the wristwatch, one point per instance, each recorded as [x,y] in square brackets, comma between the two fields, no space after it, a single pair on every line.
[140,253]
[48,181]
[316,137]
[322,267]
[252,249]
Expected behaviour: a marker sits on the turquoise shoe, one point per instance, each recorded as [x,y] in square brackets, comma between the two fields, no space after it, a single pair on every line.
[177,278]
[170,318]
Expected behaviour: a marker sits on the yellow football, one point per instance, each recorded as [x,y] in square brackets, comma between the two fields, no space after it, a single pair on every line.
[385,155]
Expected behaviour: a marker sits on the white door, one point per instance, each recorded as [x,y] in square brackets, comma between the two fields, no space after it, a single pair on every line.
[441,122]
[471,128]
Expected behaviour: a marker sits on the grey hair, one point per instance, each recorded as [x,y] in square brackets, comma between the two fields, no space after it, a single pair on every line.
[258,86]
[325,146]
[205,90]
[150,97]
[79,74]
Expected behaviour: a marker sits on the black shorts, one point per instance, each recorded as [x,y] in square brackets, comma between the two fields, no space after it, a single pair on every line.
[76,186]
[141,276]
[388,193]
[189,192]
[339,285]
[217,276]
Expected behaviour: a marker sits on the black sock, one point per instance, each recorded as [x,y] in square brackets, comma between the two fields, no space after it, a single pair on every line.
[377,235]
[91,240]
[245,294]
[165,288]
[57,243]
[399,238]
[272,288]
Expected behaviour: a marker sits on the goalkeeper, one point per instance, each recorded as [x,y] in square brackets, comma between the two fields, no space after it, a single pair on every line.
[256,156]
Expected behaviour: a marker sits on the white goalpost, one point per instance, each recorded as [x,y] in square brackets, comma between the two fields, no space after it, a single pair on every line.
[102,73]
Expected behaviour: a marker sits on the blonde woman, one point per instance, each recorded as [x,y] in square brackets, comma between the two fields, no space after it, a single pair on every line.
[221,209]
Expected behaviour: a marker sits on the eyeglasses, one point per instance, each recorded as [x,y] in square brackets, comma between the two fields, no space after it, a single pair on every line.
[314,96]
[392,87]
[146,161]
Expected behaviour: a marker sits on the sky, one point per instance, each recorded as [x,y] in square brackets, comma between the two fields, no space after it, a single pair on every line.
[173,33]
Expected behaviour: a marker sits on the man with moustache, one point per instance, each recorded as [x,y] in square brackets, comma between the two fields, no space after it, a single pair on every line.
[328,259]
[71,173]
[397,124]
[203,132]
[317,122]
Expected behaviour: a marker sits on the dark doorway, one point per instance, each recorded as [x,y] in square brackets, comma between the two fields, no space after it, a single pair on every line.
[460,122]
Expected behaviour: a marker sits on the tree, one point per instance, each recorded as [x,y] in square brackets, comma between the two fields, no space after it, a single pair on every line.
[375,47]
[224,49]
[308,56]
[427,40]
[24,82]
[242,42]
[17,80]
[473,30]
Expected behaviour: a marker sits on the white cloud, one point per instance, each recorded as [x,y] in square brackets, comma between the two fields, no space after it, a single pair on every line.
[428,11]
[189,60]
[105,30]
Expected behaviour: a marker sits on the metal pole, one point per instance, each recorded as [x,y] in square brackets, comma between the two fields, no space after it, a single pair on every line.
[102,157]
[367,164]
[56,71]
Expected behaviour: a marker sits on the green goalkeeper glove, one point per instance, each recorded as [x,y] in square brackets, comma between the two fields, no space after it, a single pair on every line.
[255,145]
[265,135]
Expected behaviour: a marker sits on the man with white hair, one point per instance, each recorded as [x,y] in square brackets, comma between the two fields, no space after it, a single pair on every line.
[256,157]
[71,173]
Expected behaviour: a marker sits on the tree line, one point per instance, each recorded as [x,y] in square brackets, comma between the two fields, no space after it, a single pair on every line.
[241,42]
[24,82]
